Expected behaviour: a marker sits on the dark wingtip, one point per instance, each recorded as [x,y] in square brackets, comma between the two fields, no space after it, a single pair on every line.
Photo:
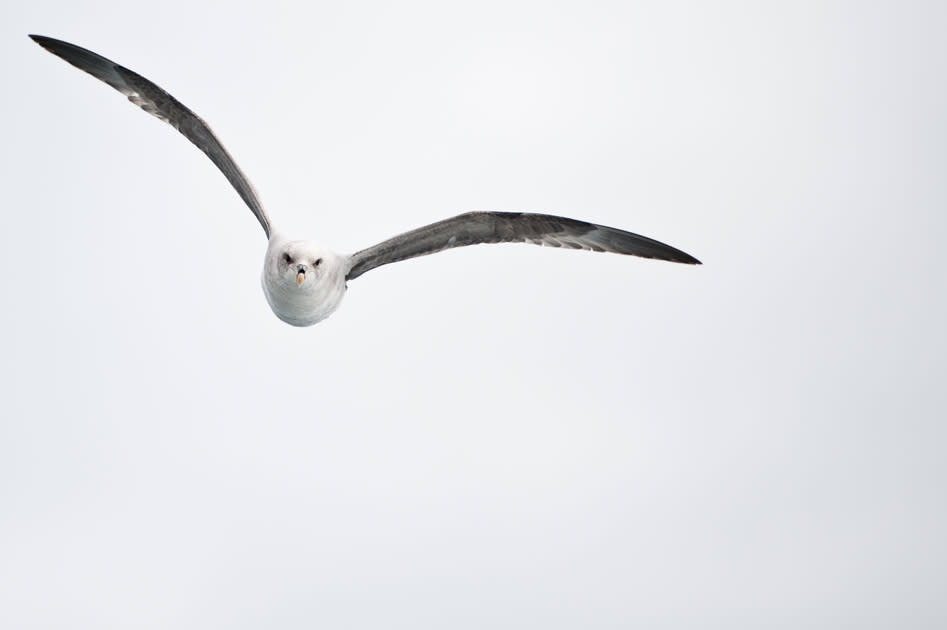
[672,254]
[48,43]
[690,260]
[61,49]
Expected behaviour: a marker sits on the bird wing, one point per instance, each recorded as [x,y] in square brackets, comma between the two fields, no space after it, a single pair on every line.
[160,104]
[473,228]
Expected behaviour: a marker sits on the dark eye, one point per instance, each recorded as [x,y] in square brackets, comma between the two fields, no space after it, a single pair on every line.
[317,263]
[287,259]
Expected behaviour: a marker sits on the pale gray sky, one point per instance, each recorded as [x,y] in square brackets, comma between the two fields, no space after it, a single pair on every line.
[507,436]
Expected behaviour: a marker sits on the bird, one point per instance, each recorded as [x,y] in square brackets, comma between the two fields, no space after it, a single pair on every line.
[305,282]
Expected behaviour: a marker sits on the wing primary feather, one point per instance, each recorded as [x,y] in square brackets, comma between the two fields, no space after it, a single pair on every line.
[162,105]
[473,228]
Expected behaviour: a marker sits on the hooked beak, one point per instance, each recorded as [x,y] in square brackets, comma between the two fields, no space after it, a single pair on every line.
[300,277]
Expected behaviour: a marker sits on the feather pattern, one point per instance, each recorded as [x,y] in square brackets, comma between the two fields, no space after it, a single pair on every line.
[473,228]
[163,106]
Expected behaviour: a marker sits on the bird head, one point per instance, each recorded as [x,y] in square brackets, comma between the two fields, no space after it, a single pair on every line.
[300,263]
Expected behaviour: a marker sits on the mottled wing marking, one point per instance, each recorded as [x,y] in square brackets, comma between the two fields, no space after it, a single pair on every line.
[474,228]
[163,106]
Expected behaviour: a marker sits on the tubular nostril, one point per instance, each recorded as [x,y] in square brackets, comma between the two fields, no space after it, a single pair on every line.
[301,269]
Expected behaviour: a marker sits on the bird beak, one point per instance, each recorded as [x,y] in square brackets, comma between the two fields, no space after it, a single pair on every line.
[300,277]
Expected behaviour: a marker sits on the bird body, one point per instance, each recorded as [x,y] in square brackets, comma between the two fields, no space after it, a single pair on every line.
[304,282]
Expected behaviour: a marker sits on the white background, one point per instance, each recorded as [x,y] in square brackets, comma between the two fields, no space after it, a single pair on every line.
[498,436]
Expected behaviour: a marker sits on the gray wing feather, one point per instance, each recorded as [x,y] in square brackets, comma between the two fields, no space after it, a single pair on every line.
[474,228]
[160,104]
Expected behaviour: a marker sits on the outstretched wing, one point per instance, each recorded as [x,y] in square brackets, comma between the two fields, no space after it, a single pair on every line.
[474,228]
[160,104]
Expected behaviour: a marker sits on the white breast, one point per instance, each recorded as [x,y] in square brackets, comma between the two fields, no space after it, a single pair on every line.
[312,301]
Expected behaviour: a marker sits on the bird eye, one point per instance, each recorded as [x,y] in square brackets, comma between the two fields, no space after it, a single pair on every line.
[287,258]
[317,262]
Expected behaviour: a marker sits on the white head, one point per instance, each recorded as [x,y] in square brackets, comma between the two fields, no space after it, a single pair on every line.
[303,282]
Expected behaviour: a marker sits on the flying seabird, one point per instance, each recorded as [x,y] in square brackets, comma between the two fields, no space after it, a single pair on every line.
[304,282]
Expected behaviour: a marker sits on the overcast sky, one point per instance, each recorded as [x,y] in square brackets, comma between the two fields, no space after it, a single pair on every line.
[497,436]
